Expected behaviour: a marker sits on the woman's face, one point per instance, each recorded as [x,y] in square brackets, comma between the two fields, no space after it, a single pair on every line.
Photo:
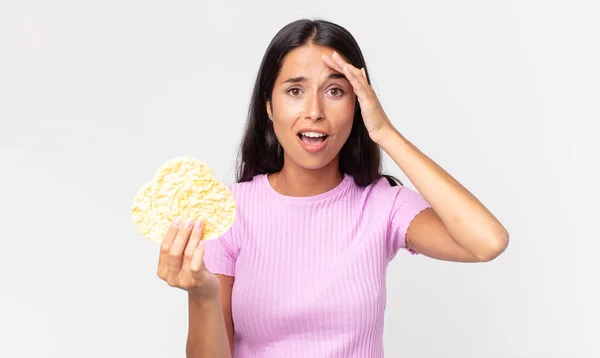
[312,108]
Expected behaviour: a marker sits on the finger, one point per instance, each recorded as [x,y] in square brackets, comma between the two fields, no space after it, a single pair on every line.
[353,74]
[167,241]
[197,264]
[338,64]
[358,83]
[345,66]
[195,237]
[331,63]
[364,72]
[176,251]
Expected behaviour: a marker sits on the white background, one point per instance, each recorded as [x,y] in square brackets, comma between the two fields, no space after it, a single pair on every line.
[94,96]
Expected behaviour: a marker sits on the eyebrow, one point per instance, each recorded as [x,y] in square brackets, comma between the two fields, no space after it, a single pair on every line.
[333,75]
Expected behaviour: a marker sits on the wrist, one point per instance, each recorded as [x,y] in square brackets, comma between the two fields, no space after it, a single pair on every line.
[203,302]
[386,136]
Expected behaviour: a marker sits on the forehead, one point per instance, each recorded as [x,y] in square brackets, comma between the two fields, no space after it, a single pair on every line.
[306,61]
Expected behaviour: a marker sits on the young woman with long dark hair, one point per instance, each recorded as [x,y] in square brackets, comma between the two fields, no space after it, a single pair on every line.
[302,271]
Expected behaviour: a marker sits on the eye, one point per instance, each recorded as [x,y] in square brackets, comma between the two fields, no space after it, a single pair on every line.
[294,91]
[336,91]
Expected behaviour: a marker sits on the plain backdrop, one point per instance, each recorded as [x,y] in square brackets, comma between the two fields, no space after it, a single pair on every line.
[95,96]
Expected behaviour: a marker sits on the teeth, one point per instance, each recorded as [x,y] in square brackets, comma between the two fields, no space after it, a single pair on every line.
[312,134]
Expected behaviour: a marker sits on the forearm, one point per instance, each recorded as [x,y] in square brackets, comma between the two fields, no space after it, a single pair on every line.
[207,336]
[467,220]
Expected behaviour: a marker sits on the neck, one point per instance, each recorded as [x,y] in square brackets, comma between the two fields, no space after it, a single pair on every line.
[294,180]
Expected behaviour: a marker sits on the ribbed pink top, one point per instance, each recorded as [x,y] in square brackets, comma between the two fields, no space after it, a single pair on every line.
[310,272]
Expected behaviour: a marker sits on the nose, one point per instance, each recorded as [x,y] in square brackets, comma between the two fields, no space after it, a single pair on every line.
[314,108]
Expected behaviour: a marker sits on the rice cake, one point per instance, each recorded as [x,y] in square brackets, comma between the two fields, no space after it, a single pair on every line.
[183,187]
[209,200]
[171,175]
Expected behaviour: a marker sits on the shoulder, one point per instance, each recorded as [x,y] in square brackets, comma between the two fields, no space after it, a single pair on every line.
[384,198]
[238,188]
[246,197]
[382,190]
[248,194]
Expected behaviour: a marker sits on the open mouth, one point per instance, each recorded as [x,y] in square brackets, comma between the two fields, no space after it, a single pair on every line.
[312,138]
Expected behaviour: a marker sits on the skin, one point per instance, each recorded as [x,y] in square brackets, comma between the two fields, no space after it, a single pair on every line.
[316,102]
[181,265]
[457,227]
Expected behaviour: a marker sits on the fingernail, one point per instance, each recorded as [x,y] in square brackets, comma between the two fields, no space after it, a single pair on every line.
[189,223]
[198,224]
[176,222]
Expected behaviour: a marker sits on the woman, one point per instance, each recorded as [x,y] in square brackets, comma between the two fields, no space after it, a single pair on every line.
[317,223]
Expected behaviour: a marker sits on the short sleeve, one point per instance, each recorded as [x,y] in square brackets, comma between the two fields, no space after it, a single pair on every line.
[221,254]
[407,204]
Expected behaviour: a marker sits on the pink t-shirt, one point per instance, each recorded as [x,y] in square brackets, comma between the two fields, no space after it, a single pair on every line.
[310,272]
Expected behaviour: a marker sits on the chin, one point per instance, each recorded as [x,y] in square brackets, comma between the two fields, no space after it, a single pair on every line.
[314,163]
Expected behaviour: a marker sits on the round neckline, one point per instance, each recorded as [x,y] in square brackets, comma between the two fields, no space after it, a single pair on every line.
[346,180]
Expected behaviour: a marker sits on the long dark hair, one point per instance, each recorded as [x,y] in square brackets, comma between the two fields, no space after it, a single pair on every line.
[260,151]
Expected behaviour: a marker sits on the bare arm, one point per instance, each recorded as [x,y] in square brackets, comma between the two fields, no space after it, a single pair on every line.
[207,334]
[226,286]
[458,227]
